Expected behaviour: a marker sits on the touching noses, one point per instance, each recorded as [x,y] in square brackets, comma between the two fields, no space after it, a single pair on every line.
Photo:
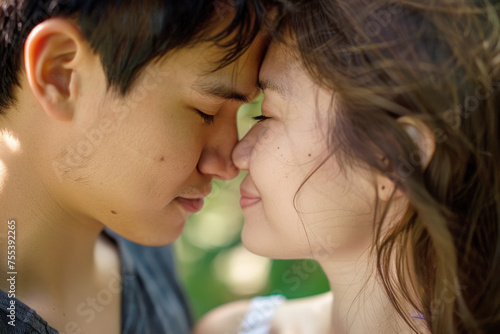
[243,150]
[215,160]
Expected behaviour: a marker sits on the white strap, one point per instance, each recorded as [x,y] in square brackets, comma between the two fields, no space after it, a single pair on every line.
[260,314]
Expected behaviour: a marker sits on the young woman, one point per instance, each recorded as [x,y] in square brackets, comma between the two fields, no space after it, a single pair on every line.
[377,154]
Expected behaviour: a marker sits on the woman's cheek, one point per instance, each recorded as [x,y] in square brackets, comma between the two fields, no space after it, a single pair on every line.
[264,136]
[262,146]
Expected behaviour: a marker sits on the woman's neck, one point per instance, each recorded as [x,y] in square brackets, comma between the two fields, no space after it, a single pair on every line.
[360,303]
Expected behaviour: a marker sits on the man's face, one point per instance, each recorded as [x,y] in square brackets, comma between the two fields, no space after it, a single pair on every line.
[141,164]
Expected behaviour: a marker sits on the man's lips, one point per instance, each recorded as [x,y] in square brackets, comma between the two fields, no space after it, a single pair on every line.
[248,199]
[192,201]
[192,205]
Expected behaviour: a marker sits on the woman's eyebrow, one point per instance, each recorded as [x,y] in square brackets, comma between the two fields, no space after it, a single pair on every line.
[264,84]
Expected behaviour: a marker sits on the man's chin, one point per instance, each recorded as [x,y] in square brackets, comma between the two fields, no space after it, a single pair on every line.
[157,238]
[156,234]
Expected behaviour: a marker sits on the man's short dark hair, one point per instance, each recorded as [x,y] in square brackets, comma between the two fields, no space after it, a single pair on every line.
[127,34]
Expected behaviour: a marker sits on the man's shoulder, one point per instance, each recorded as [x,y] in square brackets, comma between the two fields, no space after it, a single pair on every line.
[17,317]
[136,259]
[154,300]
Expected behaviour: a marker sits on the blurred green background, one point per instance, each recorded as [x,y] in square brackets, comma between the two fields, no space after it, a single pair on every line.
[213,264]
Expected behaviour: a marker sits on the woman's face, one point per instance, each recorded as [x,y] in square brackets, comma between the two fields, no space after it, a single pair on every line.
[296,200]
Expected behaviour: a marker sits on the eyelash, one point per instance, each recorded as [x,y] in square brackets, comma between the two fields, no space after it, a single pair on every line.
[261,118]
[208,119]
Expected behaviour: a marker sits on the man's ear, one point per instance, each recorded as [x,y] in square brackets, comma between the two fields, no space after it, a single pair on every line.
[424,139]
[53,54]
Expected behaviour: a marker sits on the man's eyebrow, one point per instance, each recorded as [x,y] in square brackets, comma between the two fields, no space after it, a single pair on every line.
[264,84]
[223,91]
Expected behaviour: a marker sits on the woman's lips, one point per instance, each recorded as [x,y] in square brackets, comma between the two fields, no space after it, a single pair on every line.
[248,199]
[192,205]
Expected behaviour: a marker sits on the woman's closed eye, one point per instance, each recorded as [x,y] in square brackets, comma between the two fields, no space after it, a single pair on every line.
[261,118]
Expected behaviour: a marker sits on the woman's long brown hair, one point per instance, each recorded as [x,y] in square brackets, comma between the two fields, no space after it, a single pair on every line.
[438,61]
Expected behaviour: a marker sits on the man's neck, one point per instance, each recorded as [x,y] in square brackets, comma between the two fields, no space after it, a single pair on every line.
[61,262]
[54,250]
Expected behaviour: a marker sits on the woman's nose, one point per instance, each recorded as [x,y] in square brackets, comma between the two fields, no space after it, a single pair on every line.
[243,150]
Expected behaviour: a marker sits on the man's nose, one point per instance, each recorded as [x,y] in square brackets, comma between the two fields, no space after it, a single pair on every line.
[243,150]
[215,159]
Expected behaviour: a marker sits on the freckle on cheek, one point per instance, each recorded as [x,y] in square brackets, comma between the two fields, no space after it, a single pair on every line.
[113,212]
[309,155]
[161,159]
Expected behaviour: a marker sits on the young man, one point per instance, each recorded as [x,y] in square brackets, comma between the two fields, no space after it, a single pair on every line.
[117,115]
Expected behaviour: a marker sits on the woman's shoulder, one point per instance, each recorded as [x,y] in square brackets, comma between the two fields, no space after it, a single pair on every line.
[225,319]
[304,315]
[270,314]
[243,317]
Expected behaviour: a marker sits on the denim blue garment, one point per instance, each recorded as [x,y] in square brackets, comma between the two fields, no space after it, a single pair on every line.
[26,319]
[152,299]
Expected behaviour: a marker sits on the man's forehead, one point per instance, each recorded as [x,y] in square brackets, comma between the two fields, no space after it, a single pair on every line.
[199,65]
[236,81]
[211,56]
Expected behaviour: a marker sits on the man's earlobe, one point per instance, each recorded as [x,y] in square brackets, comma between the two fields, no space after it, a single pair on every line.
[51,56]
